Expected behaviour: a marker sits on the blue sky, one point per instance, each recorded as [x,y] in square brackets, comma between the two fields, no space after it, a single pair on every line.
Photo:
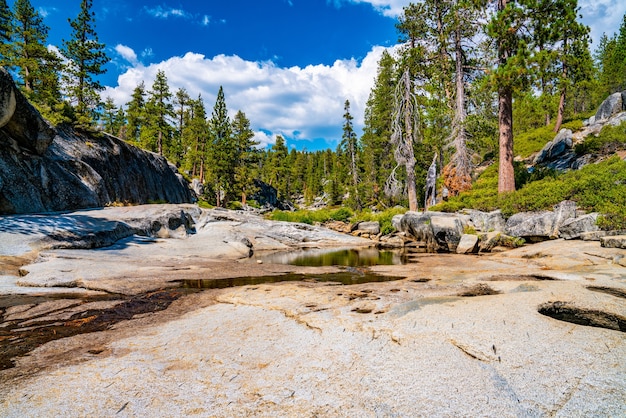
[289,65]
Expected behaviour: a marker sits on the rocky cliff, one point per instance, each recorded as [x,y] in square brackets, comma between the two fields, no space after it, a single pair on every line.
[45,168]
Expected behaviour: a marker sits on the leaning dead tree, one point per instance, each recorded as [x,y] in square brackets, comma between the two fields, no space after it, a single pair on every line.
[404,133]
[430,198]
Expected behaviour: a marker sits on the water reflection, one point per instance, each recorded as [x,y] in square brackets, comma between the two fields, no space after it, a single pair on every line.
[348,277]
[361,257]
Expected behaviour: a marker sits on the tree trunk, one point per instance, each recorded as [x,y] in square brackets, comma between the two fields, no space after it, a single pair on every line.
[559,115]
[408,138]
[506,174]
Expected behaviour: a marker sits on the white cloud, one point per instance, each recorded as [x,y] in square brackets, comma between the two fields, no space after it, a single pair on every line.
[163,13]
[304,103]
[391,8]
[602,16]
[127,53]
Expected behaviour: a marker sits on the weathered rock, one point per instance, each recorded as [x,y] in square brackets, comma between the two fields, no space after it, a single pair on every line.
[609,107]
[440,231]
[542,225]
[556,148]
[574,228]
[497,241]
[468,244]
[372,228]
[486,221]
[20,121]
[197,187]
[616,241]
[86,171]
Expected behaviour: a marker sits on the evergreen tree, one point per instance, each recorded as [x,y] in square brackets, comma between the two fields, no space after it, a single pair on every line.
[506,30]
[195,139]
[86,58]
[157,132]
[377,155]
[6,18]
[112,117]
[181,101]
[350,148]
[222,151]
[36,66]
[246,155]
[135,113]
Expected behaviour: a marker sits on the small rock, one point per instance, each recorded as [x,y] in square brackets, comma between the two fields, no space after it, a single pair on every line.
[616,241]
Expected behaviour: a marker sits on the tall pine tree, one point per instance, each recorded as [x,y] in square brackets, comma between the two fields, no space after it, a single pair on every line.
[86,59]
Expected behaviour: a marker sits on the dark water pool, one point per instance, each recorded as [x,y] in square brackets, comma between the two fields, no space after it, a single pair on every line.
[361,257]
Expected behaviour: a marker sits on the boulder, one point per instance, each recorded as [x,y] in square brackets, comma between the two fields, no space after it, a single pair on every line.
[468,244]
[615,241]
[486,221]
[609,107]
[553,150]
[576,228]
[542,225]
[372,228]
[20,121]
[439,231]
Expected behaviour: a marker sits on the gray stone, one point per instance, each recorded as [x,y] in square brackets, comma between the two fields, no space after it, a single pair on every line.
[486,221]
[533,226]
[372,228]
[20,121]
[468,244]
[574,228]
[609,107]
[556,148]
[616,241]
[439,231]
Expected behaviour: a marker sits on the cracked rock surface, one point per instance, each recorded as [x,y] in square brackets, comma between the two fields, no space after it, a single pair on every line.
[455,335]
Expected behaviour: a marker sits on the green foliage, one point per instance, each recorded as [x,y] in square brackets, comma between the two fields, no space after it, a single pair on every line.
[384,218]
[597,187]
[610,137]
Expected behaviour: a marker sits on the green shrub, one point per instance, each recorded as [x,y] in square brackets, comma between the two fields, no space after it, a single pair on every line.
[609,136]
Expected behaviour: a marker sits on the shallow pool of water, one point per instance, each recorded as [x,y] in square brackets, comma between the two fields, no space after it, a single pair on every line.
[353,257]
[348,277]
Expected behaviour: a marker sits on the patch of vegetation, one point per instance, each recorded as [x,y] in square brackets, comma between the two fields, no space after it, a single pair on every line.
[609,139]
[529,142]
[342,214]
[596,187]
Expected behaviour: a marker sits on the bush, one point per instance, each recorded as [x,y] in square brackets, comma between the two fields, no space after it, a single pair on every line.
[610,137]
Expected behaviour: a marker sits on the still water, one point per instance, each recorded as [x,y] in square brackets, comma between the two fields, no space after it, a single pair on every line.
[361,257]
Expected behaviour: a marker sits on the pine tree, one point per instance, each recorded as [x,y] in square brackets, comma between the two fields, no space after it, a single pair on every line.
[195,139]
[6,18]
[112,117]
[350,148]
[36,66]
[181,101]
[377,154]
[86,56]
[246,155]
[222,151]
[157,132]
[135,113]
[505,29]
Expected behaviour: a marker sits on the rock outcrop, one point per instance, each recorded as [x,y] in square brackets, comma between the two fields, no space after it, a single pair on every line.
[47,169]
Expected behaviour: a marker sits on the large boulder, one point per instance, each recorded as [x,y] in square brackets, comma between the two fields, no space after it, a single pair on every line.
[576,228]
[540,225]
[48,170]
[554,149]
[609,107]
[439,231]
[486,221]
[23,126]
